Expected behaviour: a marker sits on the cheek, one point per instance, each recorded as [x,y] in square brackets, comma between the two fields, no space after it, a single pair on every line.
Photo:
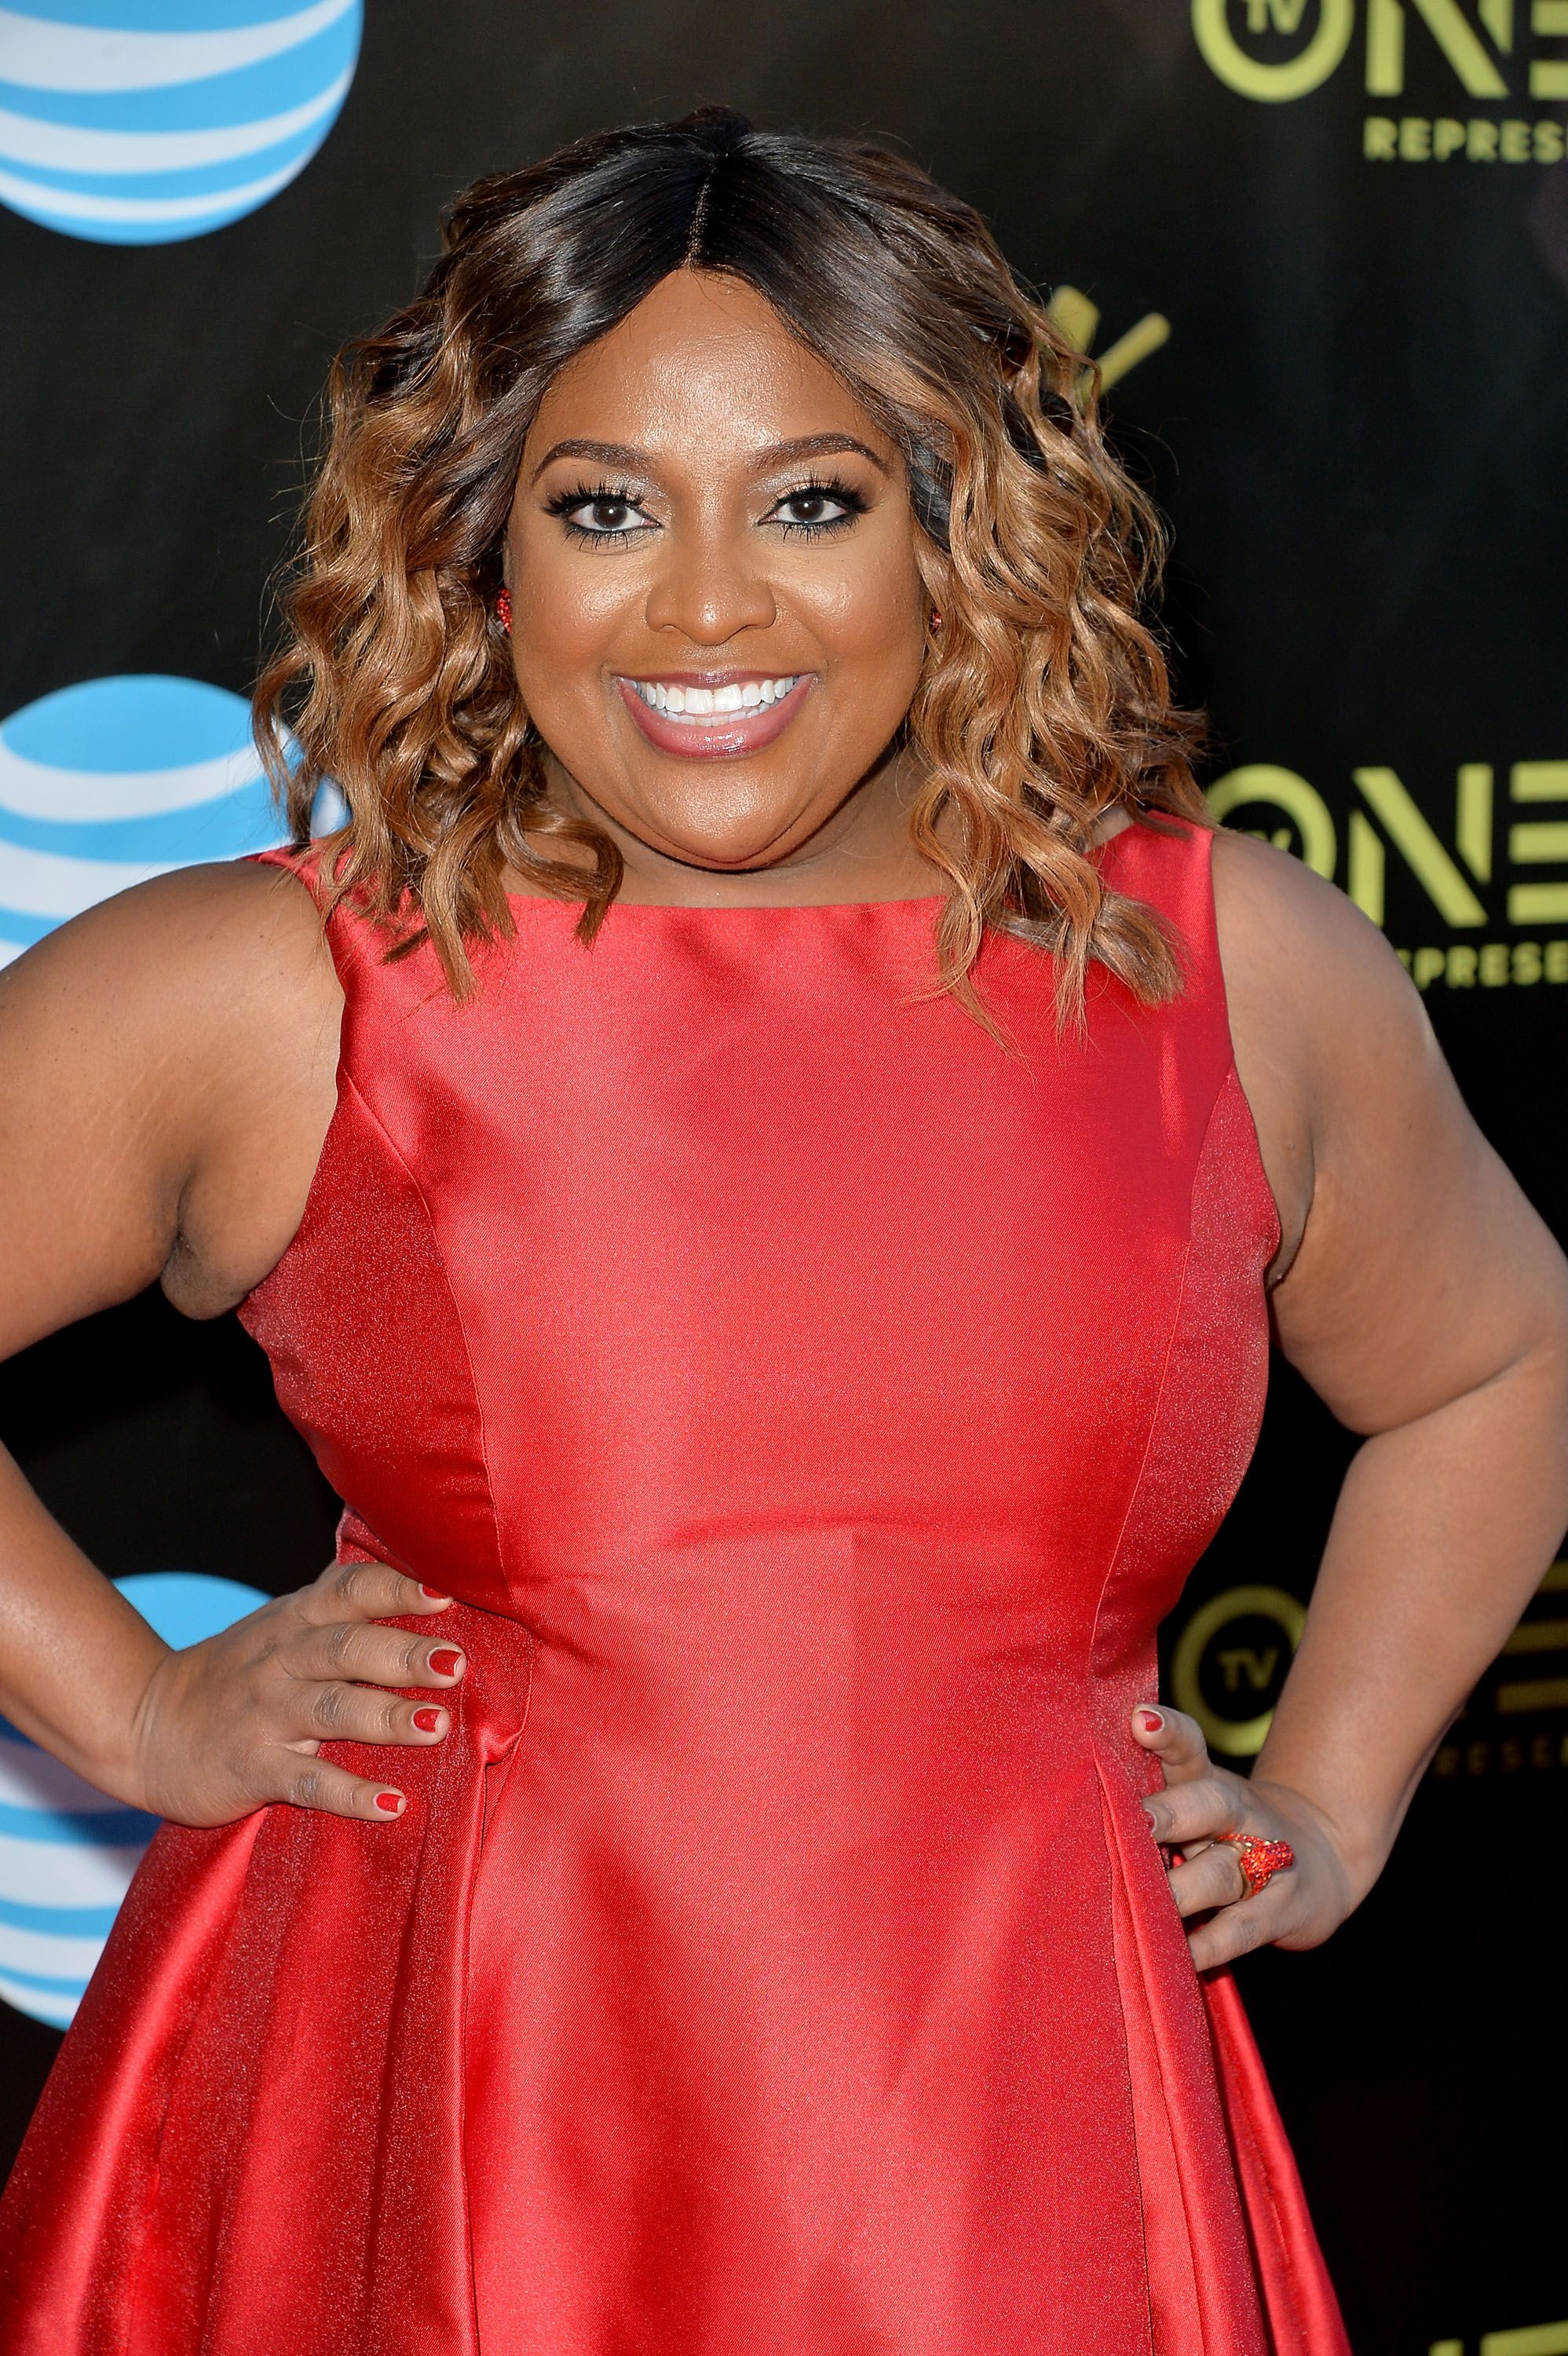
[869,610]
[565,609]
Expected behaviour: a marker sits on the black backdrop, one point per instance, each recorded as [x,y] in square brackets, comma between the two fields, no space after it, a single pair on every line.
[1357,423]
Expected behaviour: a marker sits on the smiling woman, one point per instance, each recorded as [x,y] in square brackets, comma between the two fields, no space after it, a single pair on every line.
[768,522]
[795,1402]
[862,421]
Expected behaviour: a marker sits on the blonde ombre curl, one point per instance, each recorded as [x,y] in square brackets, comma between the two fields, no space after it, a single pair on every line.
[1045,700]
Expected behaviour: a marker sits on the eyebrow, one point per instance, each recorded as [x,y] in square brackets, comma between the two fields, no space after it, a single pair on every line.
[622,453]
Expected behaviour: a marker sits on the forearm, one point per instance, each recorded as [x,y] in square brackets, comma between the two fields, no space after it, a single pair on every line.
[1441,1532]
[75,1657]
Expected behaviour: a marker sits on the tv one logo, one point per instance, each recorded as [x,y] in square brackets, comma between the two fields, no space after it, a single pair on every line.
[1488,866]
[1497,53]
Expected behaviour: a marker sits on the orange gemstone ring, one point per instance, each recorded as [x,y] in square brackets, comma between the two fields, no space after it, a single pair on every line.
[1260,1860]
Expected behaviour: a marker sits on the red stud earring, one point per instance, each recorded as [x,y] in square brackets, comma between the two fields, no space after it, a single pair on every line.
[504,608]
[935,619]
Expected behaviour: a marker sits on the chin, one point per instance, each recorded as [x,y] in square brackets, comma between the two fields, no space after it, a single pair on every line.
[730,850]
[723,858]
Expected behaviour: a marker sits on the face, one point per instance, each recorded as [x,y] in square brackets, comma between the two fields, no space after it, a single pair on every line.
[718,619]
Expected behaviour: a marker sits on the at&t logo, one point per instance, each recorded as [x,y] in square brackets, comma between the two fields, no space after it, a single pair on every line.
[106,784]
[138,122]
[66,1853]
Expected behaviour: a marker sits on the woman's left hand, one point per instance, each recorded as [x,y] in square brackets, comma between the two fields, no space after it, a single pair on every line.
[1302,1904]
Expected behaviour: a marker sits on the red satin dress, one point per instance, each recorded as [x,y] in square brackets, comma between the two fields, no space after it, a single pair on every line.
[814,1410]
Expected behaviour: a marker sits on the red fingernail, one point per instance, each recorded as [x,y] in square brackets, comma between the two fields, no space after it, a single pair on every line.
[391,1802]
[446,1663]
[427,1720]
[435,1593]
[1150,1721]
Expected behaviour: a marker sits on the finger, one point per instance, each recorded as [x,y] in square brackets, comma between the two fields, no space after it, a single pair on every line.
[344,1713]
[1186,1813]
[1212,1878]
[367,1591]
[1176,1740]
[331,1791]
[1237,1930]
[371,1654]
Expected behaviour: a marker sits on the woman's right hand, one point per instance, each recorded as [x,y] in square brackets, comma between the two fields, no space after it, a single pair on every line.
[237,1721]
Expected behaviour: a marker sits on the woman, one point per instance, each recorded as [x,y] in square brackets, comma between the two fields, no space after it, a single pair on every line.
[753,1197]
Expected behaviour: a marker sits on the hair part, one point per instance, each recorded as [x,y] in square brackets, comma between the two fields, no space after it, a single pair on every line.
[1044,702]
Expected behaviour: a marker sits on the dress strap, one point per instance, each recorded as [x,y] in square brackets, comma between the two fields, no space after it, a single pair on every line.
[346,940]
[1167,864]
[306,864]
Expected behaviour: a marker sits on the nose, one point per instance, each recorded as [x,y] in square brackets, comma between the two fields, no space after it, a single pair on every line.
[709,588]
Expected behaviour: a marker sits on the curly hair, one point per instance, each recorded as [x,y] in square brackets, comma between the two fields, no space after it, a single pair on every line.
[1045,702]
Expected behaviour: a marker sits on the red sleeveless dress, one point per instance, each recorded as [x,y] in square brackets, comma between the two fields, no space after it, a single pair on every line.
[813,1409]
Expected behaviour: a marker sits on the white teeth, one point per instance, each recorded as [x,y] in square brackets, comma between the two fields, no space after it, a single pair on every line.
[695,703]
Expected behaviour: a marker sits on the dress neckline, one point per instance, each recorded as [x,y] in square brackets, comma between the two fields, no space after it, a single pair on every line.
[736,908]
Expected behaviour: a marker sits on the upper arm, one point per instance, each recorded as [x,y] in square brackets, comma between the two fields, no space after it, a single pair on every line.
[1413,1269]
[144,1049]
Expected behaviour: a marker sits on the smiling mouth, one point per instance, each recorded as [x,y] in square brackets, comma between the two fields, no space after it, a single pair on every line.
[702,702]
[719,718]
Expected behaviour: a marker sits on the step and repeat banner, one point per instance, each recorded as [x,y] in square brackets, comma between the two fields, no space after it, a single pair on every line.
[1320,251]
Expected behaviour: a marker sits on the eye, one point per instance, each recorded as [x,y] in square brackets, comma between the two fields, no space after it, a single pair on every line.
[817,508]
[601,513]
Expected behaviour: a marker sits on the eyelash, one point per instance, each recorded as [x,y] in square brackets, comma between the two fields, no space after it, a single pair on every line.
[564,504]
[585,495]
[855,504]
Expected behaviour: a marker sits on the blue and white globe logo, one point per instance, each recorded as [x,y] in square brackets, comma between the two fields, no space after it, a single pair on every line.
[138,122]
[66,1853]
[106,784]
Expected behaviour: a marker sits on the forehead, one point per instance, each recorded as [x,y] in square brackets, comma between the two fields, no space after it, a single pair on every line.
[704,367]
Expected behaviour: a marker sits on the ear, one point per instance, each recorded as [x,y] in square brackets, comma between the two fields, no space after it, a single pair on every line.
[937,581]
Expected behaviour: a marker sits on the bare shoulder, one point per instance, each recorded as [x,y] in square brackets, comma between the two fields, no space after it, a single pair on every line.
[191,988]
[150,1049]
[1283,927]
[1416,1263]
[178,952]
[1323,1015]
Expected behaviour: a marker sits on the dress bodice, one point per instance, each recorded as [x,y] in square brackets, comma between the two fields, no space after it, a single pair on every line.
[720,1230]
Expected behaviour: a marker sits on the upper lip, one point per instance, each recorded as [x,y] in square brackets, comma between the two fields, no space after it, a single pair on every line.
[706,678]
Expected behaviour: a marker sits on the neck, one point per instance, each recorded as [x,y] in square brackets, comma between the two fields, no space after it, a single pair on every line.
[862,853]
